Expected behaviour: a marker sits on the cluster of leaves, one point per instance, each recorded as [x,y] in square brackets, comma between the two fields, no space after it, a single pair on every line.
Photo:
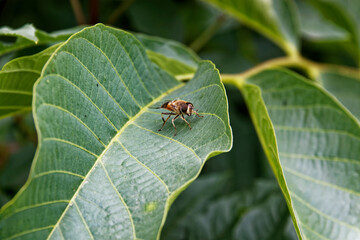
[308,127]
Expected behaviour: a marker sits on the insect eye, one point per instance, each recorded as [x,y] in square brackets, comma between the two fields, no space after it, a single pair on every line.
[184,108]
[164,105]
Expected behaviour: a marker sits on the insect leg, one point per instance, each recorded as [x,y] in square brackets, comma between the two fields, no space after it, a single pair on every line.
[165,120]
[174,123]
[197,114]
[182,117]
[165,113]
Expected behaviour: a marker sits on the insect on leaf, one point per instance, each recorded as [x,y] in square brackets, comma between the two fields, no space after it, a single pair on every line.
[102,170]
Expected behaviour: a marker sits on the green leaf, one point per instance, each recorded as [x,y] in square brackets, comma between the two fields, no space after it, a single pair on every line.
[169,55]
[102,169]
[275,19]
[316,27]
[17,78]
[345,87]
[345,14]
[27,31]
[19,75]
[203,211]
[313,146]
[28,36]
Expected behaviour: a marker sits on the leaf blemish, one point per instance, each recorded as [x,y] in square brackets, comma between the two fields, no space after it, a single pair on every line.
[151,206]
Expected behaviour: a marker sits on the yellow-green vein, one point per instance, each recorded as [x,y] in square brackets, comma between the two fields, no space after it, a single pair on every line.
[97,80]
[83,220]
[74,116]
[142,164]
[131,120]
[86,96]
[33,206]
[317,181]
[58,171]
[316,130]
[171,139]
[302,201]
[312,231]
[121,199]
[116,71]
[309,157]
[71,144]
[28,232]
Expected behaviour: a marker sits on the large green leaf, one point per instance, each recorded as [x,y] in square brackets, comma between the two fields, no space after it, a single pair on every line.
[313,145]
[102,170]
[17,79]
[345,87]
[28,36]
[276,19]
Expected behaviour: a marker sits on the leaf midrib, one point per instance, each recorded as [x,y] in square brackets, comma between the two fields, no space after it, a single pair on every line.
[121,130]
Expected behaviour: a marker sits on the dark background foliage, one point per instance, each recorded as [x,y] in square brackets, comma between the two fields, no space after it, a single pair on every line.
[236,194]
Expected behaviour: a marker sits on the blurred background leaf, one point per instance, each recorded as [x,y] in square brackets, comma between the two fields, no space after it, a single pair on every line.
[275,19]
[28,36]
[17,148]
[228,41]
[17,78]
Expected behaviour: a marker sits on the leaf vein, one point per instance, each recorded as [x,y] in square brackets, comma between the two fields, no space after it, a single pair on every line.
[171,139]
[21,70]
[116,71]
[323,214]
[313,231]
[72,144]
[28,232]
[316,130]
[83,220]
[97,80]
[309,157]
[12,91]
[74,116]
[14,107]
[294,107]
[33,206]
[58,171]
[81,91]
[132,63]
[121,199]
[320,182]
[144,165]
[145,108]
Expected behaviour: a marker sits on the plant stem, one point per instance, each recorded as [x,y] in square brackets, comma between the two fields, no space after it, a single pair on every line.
[78,12]
[119,11]
[313,69]
[206,35]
